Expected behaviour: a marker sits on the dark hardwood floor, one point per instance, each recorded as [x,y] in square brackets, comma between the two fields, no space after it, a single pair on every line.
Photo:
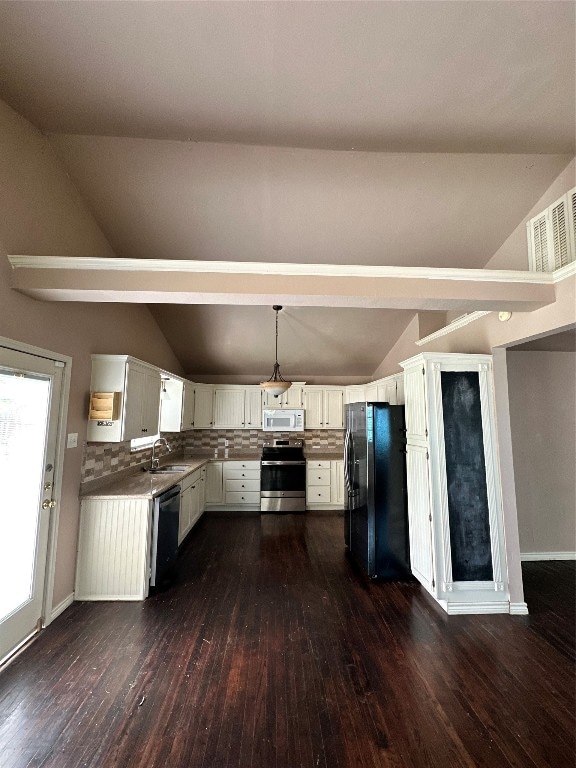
[271,652]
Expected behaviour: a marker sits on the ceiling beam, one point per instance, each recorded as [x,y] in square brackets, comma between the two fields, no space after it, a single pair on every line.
[55,278]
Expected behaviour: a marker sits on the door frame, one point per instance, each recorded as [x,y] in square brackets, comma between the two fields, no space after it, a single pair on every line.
[48,612]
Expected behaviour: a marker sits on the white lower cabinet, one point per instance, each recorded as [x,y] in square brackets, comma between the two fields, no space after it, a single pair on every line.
[324,484]
[191,501]
[233,484]
[214,483]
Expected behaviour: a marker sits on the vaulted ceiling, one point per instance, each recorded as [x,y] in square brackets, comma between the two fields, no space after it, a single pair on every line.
[377,133]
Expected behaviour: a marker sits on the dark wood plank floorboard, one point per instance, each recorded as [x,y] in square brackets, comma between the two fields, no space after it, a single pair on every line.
[272,651]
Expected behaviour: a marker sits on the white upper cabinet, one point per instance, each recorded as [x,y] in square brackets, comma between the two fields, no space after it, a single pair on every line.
[176,404]
[371,393]
[187,406]
[228,407]
[324,408]
[415,414]
[292,398]
[203,406]
[253,408]
[139,388]
[355,394]
[314,407]
[237,407]
[142,401]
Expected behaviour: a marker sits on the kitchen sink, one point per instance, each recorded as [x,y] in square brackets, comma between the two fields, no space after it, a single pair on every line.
[168,469]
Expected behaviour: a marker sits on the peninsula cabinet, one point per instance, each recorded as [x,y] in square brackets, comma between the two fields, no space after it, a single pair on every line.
[139,386]
[114,549]
[453,479]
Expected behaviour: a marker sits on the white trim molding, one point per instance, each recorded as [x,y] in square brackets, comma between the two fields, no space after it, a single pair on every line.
[534,556]
[174,281]
[60,608]
[455,325]
[20,261]
[518,609]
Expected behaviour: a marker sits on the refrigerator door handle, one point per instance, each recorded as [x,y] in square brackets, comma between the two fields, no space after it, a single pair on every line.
[347,460]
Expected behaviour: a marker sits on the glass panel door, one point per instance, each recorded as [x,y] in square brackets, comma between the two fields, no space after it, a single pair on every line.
[29,407]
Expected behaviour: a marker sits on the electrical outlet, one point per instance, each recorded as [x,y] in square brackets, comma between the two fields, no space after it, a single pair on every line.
[72,440]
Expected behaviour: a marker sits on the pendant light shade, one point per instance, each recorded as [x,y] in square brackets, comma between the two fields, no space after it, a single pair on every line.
[276,384]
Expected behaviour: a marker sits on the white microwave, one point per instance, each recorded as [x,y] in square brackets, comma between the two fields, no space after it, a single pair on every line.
[283,420]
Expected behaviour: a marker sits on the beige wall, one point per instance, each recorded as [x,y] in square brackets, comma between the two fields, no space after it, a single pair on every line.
[513,253]
[542,387]
[42,213]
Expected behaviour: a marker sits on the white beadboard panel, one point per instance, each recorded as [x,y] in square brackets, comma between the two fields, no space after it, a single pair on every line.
[414,391]
[548,556]
[113,550]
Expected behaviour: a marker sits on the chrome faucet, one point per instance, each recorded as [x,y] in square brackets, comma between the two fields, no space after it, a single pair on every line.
[155,462]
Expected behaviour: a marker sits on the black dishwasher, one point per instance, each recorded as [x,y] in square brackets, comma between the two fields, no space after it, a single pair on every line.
[164,550]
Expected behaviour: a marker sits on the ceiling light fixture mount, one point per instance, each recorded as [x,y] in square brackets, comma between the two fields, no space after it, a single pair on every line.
[276,384]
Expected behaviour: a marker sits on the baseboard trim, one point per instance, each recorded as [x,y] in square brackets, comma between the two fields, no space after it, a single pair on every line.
[459,609]
[518,609]
[548,556]
[60,608]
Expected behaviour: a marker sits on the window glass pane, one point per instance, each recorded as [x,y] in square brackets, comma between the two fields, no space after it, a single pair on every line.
[24,403]
[139,443]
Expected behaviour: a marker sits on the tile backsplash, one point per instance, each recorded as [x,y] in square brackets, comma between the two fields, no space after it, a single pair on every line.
[206,440]
[102,459]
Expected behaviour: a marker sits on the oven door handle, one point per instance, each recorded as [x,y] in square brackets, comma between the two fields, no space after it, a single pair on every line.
[282,463]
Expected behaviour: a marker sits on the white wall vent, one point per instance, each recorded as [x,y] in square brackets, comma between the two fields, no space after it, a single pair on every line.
[552,235]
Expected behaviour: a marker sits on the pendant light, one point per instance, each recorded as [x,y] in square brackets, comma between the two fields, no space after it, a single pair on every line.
[276,385]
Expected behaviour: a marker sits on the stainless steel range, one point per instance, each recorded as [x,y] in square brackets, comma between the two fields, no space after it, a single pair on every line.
[283,476]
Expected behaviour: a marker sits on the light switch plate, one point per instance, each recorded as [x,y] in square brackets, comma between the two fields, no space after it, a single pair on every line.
[72,440]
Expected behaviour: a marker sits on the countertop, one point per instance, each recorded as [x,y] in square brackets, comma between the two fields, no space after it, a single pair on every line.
[319,456]
[134,483]
[138,484]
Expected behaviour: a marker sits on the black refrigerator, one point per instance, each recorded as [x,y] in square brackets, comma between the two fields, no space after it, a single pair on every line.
[376,517]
